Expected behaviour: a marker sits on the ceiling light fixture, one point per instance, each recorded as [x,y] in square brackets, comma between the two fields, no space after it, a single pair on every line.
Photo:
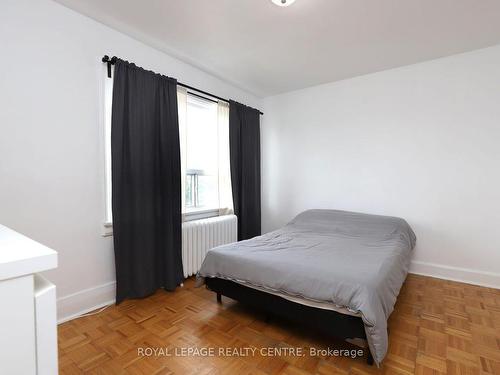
[283,3]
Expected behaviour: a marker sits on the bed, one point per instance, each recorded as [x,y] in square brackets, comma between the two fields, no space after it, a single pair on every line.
[339,271]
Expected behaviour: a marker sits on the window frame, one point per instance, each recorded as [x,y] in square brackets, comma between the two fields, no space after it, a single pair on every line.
[105,100]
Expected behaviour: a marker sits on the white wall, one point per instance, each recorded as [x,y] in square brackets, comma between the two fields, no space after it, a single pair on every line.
[51,156]
[421,142]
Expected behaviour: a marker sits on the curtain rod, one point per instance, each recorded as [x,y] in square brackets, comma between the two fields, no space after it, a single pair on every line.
[112,61]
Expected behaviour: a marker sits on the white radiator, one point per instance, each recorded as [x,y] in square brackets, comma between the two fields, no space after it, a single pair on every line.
[199,236]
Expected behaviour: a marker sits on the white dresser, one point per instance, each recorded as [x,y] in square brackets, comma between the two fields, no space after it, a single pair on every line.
[28,323]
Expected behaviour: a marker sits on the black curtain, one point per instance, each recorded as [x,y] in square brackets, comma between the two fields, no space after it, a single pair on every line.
[146,182]
[244,145]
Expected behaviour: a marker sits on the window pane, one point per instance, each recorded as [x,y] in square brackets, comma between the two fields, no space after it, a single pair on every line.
[202,136]
[208,194]
[189,190]
[201,154]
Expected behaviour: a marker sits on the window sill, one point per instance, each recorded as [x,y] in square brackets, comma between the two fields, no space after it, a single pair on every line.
[198,214]
[107,229]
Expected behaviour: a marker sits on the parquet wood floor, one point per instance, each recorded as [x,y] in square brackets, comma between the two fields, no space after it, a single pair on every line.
[437,327]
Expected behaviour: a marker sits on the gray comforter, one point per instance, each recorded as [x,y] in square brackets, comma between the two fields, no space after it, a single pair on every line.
[351,260]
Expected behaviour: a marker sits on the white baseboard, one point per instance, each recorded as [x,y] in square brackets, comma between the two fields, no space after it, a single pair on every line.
[73,305]
[464,275]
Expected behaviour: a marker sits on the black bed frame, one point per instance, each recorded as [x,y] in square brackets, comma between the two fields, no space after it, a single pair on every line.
[328,322]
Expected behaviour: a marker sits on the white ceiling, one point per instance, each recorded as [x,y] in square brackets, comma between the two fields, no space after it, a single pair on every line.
[268,50]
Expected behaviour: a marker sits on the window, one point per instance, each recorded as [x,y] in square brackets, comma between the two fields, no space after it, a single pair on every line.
[204,141]
[204,134]
[201,191]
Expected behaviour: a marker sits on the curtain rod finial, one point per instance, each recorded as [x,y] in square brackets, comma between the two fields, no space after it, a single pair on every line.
[105,59]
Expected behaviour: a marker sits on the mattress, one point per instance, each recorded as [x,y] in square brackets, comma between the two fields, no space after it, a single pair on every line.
[352,261]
